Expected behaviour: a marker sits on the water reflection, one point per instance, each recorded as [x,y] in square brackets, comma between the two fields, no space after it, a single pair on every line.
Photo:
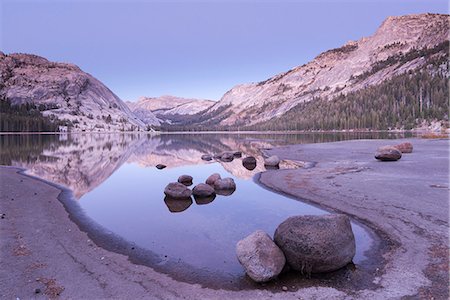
[177,205]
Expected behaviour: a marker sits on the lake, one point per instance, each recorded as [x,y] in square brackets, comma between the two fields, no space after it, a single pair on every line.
[116,186]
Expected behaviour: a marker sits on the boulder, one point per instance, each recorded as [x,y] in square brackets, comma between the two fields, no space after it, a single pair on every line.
[404,147]
[212,178]
[206,157]
[177,205]
[315,244]
[260,256]
[272,161]
[177,190]
[237,154]
[185,179]
[249,163]
[225,184]
[227,157]
[160,166]
[203,190]
[388,153]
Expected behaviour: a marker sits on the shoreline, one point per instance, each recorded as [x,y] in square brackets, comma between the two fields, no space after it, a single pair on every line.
[148,277]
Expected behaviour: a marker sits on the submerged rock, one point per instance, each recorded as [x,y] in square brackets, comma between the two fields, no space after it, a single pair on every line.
[260,256]
[315,244]
[177,205]
[177,190]
[225,184]
[212,178]
[160,166]
[185,179]
[406,147]
[272,161]
[203,190]
[388,153]
[207,157]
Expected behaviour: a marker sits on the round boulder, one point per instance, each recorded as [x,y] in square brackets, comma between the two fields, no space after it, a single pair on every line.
[206,157]
[225,184]
[404,147]
[227,157]
[388,153]
[185,179]
[316,244]
[249,163]
[212,178]
[203,190]
[260,256]
[177,190]
[272,161]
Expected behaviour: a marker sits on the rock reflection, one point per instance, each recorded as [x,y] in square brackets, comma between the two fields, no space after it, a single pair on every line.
[177,205]
[225,192]
[204,200]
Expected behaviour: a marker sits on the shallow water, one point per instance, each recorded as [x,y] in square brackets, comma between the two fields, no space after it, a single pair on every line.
[114,180]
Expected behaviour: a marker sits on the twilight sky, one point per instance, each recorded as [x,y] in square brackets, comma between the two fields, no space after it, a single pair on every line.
[187,48]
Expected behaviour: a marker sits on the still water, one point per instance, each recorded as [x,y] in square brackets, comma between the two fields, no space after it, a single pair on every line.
[114,180]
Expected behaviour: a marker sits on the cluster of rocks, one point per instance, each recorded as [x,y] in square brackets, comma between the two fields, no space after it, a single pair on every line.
[248,162]
[308,244]
[179,197]
[393,153]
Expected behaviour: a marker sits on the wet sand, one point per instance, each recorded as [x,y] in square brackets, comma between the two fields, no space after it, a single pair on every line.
[405,201]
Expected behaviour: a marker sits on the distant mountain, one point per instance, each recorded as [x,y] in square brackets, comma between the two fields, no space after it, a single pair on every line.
[64,92]
[397,77]
[167,108]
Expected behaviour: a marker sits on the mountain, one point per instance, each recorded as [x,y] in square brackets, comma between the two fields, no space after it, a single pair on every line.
[64,92]
[342,85]
[170,109]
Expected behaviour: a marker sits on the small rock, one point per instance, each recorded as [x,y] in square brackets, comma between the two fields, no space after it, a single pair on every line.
[160,166]
[177,205]
[237,154]
[207,157]
[203,190]
[315,244]
[225,184]
[405,147]
[260,256]
[284,288]
[213,178]
[37,291]
[249,163]
[388,153]
[217,156]
[185,179]
[272,161]
[2,216]
[177,190]
[227,157]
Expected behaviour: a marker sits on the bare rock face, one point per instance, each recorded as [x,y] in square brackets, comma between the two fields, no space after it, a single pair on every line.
[202,190]
[260,256]
[404,147]
[185,179]
[315,244]
[66,92]
[212,179]
[176,190]
[388,153]
[272,161]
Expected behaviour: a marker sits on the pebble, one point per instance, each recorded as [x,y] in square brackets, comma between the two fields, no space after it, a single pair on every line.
[284,288]
[37,291]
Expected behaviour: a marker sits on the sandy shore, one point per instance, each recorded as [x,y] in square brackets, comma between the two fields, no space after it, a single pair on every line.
[405,201]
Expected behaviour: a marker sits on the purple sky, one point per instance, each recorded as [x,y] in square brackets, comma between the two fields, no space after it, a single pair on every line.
[195,49]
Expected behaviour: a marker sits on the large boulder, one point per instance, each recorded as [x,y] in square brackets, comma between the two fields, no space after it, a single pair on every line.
[260,256]
[388,153]
[406,147]
[176,190]
[177,205]
[315,244]
[272,161]
[203,190]
[185,179]
[212,178]
[225,184]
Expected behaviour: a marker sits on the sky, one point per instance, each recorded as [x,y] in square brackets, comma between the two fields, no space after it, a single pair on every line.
[195,49]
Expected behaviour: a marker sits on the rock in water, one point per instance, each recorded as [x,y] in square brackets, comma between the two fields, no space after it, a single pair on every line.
[212,178]
[404,147]
[160,166]
[225,184]
[260,256]
[388,153]
[315,244]
[177,190]
[206,157]
[272,161]
[203,190]
[185,179]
